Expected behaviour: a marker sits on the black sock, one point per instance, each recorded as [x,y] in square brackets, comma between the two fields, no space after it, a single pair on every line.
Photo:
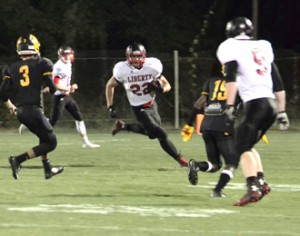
[252,183]
[202,165]
[223,180]
[21,158]
[261,179]
[47,166]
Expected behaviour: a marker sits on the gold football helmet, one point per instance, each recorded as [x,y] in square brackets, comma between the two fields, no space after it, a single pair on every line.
[28,45]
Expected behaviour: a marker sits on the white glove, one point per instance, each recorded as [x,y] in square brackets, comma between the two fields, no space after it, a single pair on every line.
[283,121]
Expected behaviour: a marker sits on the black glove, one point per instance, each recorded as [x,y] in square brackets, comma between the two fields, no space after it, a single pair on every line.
[112,111]
[230,112]
[155,85]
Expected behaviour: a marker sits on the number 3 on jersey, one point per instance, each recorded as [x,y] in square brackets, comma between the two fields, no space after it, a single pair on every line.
[24,71]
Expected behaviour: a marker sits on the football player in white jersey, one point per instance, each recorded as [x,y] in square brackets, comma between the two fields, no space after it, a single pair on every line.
[62,99]
[250,71]
[142,78]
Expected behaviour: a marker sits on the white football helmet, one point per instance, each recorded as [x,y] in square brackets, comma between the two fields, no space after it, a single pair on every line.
[136,55]
[66,54]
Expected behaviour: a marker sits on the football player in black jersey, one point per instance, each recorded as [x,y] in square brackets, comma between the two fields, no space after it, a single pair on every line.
[26,77]
[217,133]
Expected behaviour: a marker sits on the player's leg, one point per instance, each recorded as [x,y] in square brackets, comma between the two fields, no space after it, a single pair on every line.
[150,120]
[57,109]
[213,162]
[225,144]
[73,109]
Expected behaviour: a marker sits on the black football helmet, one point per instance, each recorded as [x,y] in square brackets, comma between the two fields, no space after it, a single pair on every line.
[136,55]
[239,26]
[66,54]
[28,45]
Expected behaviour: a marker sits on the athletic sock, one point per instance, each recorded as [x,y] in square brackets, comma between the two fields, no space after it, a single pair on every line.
[21,158]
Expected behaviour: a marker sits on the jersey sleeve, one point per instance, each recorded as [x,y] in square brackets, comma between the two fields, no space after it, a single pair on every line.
[117,72]
[157,65]
[47,66]
[226,51]
[205,90]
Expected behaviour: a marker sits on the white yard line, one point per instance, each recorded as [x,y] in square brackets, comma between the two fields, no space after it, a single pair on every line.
[141,229]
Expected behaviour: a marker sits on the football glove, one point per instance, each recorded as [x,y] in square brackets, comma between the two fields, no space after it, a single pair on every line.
[112,111]
[283,121]
[155,85]
[187,133]
[230,112]
[264,138]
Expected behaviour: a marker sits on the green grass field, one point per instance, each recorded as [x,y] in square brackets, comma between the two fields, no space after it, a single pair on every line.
[129,187]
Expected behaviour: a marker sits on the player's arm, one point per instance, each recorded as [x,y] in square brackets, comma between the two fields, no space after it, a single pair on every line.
[279,92]
[278,88]
[110,90]
[165,84]
[230,69]
[60,86]
[3,94]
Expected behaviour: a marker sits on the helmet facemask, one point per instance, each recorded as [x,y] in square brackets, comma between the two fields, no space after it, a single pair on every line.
[66,54]
[136,55]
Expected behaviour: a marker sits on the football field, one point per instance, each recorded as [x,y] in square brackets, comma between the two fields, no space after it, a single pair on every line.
[130,187]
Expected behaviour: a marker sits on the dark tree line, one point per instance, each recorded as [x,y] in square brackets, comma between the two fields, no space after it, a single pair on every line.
[162,25]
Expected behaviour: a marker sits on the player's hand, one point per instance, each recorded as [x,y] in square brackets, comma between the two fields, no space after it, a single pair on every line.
[112,111]
[73,88]
[12,110]
[283,121]
[230,112]
[156,86]
[46,90]
[187,133]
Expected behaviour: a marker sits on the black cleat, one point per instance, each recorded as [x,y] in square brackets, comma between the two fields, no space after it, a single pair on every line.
[15,167]
[54,171]
[192,172]
[119,124]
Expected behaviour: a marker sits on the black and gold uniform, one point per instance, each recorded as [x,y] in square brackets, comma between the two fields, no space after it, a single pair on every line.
[20,90]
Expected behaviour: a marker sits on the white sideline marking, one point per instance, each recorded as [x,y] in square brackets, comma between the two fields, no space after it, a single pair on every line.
[241,186]
[141,229]
[143,211]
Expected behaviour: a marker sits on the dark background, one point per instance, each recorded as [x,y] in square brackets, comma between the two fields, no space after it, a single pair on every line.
[100,30]
[162,25]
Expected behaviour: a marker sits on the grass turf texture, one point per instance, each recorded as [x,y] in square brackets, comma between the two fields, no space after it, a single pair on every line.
[129,186]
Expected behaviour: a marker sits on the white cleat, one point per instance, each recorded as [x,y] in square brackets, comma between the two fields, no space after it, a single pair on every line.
[90,145]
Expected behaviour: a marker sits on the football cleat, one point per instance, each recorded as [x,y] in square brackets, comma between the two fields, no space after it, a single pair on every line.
[15,167]
[216,194]
[54,171]
[119,124]
[250,197]
[265,189]
[90,145]
[192,172]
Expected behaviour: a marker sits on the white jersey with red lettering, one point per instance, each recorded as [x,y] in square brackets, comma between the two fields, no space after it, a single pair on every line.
[62,74]
[135,81]
[254,58]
